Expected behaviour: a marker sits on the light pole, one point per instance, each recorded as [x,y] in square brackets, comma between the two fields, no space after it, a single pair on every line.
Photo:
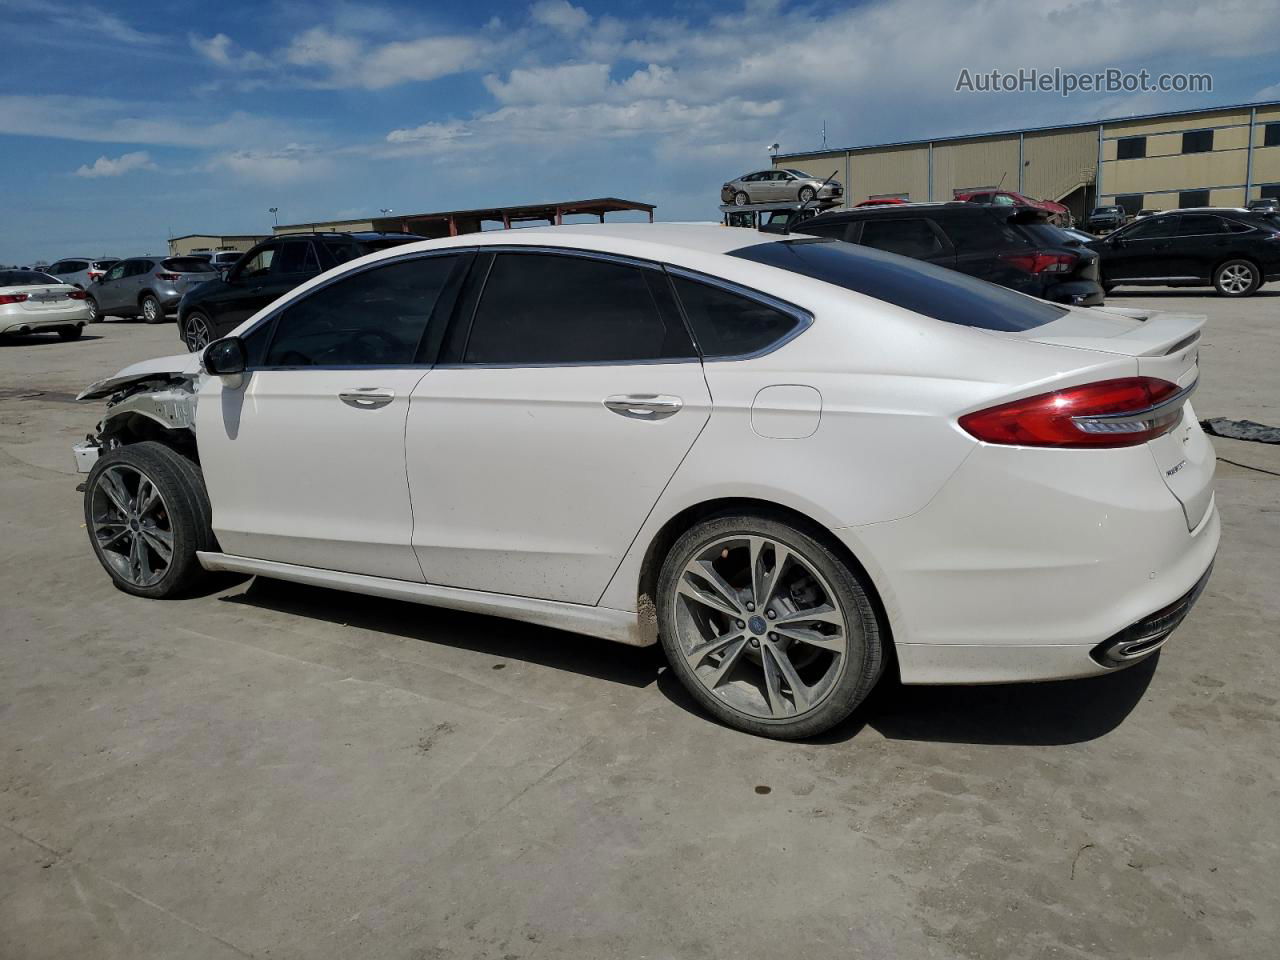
[275,220]
[385,210]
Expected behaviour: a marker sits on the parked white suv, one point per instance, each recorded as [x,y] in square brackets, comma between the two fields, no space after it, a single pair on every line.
[786,458]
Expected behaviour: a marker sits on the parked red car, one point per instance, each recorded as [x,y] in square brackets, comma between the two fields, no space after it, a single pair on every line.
[1008,198]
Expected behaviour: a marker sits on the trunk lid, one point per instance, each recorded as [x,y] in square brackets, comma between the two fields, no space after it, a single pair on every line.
[1164,345]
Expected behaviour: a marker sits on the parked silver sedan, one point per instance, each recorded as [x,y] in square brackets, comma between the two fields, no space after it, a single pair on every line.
[32,301]
[769,186]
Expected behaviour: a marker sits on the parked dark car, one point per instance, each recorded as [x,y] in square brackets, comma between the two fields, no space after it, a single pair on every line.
[1265,205]
[1105,219]
[1014,247]
[267,271]
[1234,251]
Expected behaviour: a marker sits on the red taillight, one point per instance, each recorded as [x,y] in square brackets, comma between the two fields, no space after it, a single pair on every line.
[12,298]
[95,274]
[1039,262]
[1112,413]
[169,277]
[77,294]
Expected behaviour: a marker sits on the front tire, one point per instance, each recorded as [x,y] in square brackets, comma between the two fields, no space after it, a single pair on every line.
[152,312]
[807,194]
[197,331]
[147,513]
[740,199]
[766,627]
[1237,278]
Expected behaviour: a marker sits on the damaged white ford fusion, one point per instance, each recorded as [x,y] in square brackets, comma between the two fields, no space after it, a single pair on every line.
[791,461]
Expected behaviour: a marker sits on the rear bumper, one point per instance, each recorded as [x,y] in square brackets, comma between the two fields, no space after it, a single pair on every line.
[50,320]
[1029,561]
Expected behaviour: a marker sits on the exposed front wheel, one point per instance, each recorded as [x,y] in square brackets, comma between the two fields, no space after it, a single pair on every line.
[196,331]
[152,312]
[1237,278]
[740,199]
[147,513]
[766,627]
[807,194]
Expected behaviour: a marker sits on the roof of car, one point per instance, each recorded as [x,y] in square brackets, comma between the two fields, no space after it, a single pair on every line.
[710,238]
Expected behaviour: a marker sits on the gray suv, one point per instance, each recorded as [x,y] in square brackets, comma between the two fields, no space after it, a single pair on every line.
[81,271]
[146,286]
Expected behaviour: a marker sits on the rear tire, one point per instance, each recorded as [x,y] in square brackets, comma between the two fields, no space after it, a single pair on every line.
[1237,278]
[147,514]
[744,649]
[152,312]
[71,333]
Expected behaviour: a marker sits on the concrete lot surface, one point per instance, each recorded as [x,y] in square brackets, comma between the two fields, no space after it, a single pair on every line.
[273,771]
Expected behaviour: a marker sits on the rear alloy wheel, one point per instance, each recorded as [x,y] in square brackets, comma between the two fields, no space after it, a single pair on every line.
[196,331]
[148,513]
[740,199]
[807,194]
[72,332]
[766,627]
[1237,278]
[94,315]
[151,310]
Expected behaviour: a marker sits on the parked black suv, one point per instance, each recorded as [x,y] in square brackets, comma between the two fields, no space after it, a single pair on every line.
[1105,219]
[1014,247]
[1235,251]
[267,272]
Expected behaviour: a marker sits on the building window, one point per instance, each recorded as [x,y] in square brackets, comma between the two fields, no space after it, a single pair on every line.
[1197,141]
[1193,198]
[1131,202]
[1271,137]
[1271,191]
[1132,148]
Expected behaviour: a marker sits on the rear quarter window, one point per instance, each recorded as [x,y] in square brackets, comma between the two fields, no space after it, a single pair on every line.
[911,284]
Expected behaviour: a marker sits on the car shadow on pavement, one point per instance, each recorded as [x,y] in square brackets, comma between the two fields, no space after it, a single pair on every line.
[1179,292]
[1019,714]
[493,636]
[36,340]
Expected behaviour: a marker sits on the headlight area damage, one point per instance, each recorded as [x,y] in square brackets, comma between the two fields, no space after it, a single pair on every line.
[146,405]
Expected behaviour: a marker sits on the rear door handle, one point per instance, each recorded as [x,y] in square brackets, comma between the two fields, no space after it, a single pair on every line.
[644,406]
[367,398]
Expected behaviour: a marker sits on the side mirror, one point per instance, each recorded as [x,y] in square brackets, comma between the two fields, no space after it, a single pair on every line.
[226,357]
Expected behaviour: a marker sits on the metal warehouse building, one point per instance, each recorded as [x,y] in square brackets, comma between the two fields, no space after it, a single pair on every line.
[1222,156]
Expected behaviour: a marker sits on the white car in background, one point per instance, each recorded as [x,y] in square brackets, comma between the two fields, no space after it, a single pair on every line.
[790,460]
[32,301]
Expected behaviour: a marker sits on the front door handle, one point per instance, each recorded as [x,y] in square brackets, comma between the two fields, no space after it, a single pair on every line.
[367,398]
[644,406]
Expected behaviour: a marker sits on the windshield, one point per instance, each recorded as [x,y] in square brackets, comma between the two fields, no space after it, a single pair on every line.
[911,284]
[1106,210]
[25,278]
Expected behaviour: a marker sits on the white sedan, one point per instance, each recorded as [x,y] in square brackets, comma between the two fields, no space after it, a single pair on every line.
[35,302]
[791,461]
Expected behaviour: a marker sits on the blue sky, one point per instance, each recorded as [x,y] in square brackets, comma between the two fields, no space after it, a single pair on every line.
[122,124]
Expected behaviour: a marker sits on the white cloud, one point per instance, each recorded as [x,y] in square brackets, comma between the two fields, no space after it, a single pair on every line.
[287,164]
[569,83]
[221,51]
[107,167]
[560,15]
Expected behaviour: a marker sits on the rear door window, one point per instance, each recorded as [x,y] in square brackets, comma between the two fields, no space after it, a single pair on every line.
[1199,224]
[910,237]
[296,257]
[376,317]
[188,265]
[834,230]
[924,288]
[541,308]
[969,233]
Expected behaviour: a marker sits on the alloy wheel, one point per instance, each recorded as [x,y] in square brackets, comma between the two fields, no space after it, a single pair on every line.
[150,310]
[92,304]
[197,333]
[760,627]
[1236,278]
[131,525]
